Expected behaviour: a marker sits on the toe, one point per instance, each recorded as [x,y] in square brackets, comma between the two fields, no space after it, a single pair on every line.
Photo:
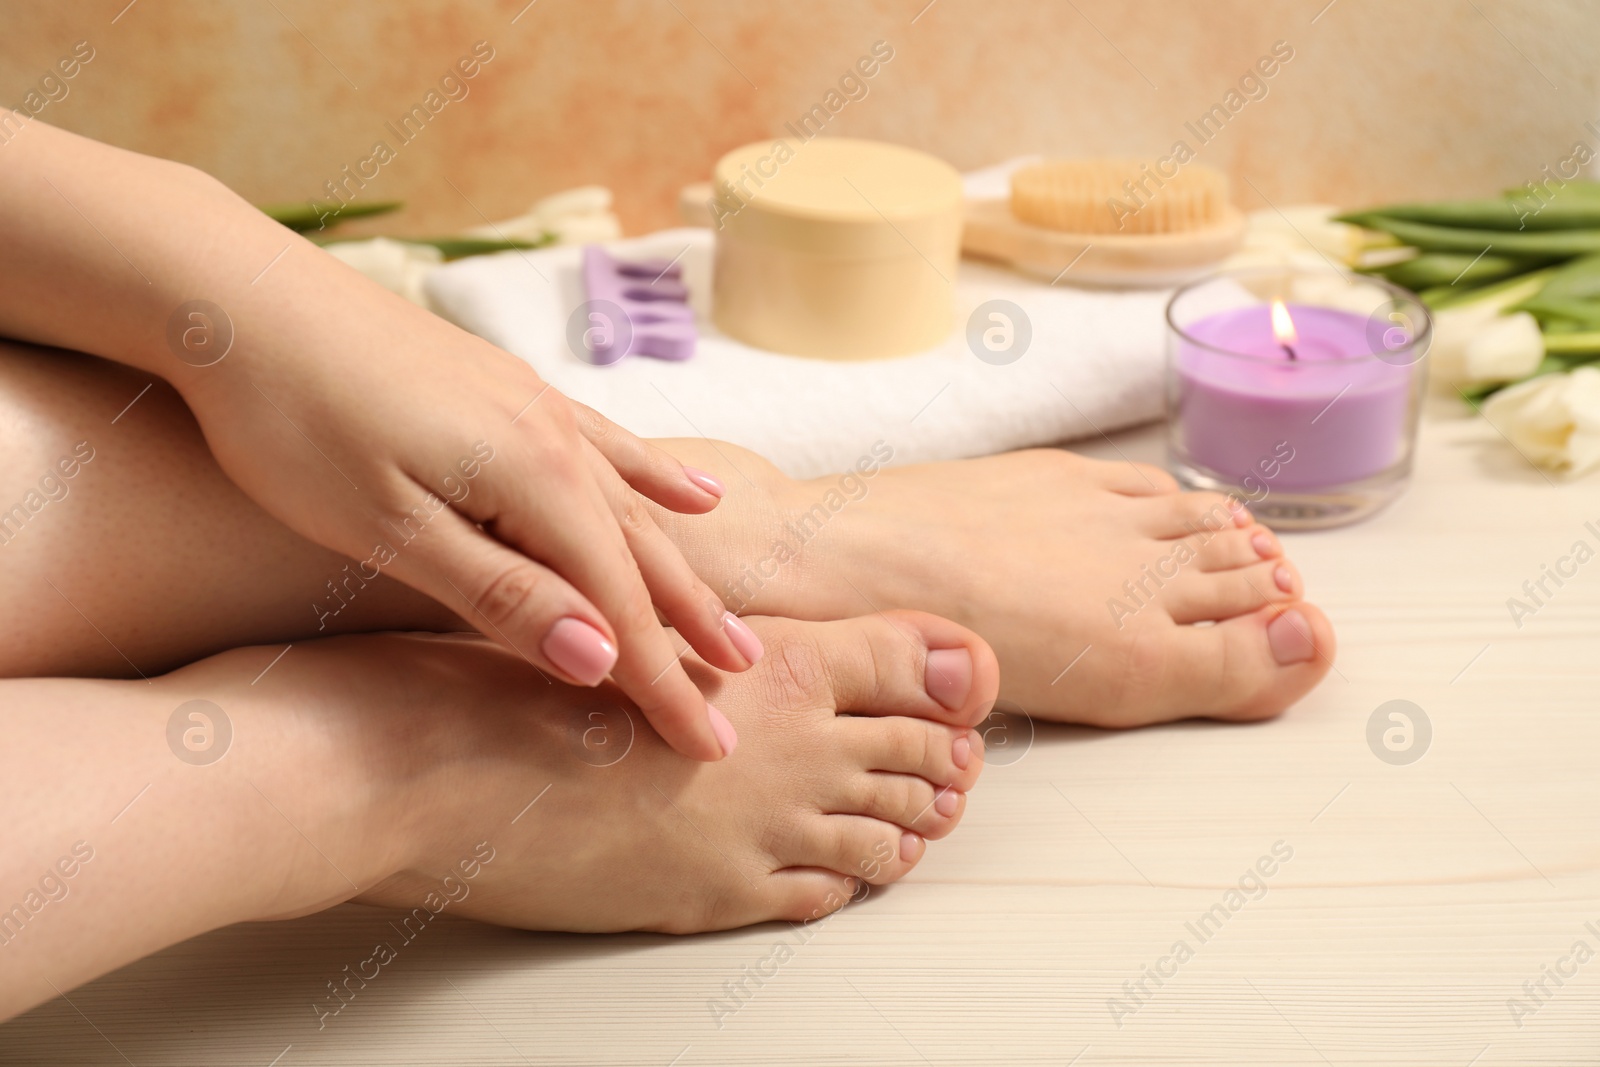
[1201,597]
[1246,668]
[1234,547]
[910,802]
[891,663]
[856,846]
[801,895]
[941,755]
[1186,514]
[1136,479]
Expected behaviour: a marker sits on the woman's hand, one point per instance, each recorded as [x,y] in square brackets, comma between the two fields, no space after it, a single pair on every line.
[372,427]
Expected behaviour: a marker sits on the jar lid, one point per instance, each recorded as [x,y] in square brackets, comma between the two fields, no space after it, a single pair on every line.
[836,195]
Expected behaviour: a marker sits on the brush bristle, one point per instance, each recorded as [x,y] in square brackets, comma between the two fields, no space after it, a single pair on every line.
[1117,196]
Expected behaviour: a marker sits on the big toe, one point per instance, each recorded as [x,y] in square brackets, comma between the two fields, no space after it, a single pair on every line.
[905,663]
[1248,667]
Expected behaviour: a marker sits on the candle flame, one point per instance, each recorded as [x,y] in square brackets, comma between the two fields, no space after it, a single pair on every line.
[1282,324]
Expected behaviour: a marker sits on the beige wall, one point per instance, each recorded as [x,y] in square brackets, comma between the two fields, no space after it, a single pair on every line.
[1382,98]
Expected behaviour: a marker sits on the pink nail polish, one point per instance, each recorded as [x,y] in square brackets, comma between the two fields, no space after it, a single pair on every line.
[744,639]
[707,481]
[948,676]
[1265,544]
[579,651]
[1289,637]
[961,752]
[909,846]
[1284,578]
[947,802]
[727,736]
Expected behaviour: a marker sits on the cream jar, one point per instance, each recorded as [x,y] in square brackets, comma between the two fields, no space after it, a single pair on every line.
[835,248]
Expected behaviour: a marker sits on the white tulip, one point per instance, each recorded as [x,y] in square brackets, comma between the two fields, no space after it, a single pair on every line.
[572,216]
[1473,344]
[398,266]
[1553,420]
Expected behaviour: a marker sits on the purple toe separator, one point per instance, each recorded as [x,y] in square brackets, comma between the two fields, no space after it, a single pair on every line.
[655,303]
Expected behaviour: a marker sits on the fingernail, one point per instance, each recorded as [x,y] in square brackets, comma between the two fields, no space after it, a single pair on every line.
[1284,577]
[948,676]
[1289,637]
[709,482]
[727,736]
[1265,544]
[580,651]
[743,638]
[961,752]
[908,846]
[947,802]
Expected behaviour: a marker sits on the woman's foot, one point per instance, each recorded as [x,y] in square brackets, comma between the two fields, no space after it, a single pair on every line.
[845,766]
[1110,597]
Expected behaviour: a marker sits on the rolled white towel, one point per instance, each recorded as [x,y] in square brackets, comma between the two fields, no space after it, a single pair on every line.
[1092,365]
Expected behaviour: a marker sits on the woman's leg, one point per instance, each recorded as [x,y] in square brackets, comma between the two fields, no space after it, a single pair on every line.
[1089,578]
[147,557]
[439,773]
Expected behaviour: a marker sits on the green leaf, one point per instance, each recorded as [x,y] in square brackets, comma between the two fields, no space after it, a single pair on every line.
[304,217]
[1554,244]
[1433,269]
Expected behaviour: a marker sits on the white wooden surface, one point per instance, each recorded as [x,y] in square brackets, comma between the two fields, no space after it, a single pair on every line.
[1418,900]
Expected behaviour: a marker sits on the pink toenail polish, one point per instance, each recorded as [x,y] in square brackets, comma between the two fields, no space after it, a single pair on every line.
[727,736]
[744,639]
[961,752]
[706,481]
[579,651]
[1289,637]
[909,846]
[947,802]
[1265,544]
[948,676]
[1284,578]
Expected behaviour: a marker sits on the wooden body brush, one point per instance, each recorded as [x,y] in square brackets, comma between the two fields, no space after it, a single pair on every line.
[1108,222]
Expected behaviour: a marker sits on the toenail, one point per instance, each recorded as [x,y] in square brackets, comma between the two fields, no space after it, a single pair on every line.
[1284,577]
[579,650]
[1265,544]
[1289,637]
[946,802]
[910,845]
[948,676]
[1241,514]
[961,752]
[710,483]
[727,736]
[744,639]
[851,885]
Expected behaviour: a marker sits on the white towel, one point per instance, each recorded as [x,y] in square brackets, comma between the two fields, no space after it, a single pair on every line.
[1093,365]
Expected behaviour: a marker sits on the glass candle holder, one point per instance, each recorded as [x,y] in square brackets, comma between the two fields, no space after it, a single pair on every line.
[1296,390]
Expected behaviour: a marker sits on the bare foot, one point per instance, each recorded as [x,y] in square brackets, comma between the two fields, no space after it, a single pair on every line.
[628,835]
[1110,597]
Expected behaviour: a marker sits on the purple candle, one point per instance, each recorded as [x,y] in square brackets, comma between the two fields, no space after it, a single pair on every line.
[1245,390]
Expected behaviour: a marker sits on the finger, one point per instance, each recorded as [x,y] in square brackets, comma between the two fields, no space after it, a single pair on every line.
[518,602]
[547,503]
[563,519]
[720,637]
[647,468]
